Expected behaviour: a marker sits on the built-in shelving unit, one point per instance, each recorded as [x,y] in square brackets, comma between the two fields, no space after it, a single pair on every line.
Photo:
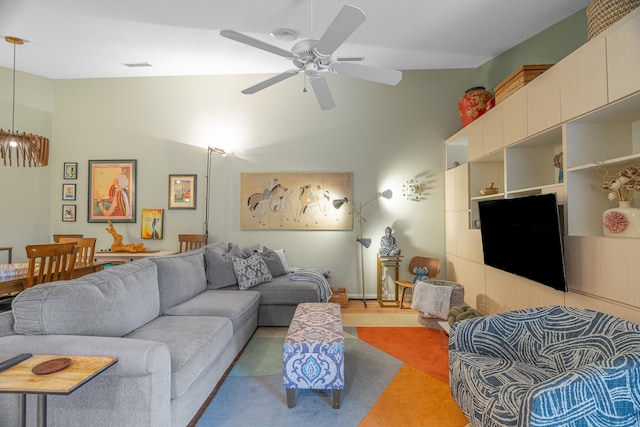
[586,107]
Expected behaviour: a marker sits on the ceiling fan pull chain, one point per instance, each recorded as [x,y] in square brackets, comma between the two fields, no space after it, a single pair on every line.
[304,83]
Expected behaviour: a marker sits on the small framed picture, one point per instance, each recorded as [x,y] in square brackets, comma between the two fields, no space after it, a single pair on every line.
[68,213]
[71,170]
[182,191]
[152,221]
[68,191]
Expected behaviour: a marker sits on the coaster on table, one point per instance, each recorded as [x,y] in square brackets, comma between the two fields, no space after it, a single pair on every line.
[51,366]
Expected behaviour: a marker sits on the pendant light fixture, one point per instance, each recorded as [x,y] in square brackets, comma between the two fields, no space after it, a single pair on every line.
[21,148]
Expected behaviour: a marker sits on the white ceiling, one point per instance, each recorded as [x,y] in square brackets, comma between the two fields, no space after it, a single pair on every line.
[70,39]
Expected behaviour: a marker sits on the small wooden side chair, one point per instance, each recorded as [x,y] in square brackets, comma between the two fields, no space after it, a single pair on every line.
[57,237]
[433,270]
[55,262]
[86,247]
[189,242]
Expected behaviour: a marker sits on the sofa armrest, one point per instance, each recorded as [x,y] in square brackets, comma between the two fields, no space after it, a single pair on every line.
[600,392]
[496,336]
[6,323]
[135,357]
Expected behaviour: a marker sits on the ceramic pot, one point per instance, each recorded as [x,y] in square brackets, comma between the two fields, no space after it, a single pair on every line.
[473,104]
[623,221]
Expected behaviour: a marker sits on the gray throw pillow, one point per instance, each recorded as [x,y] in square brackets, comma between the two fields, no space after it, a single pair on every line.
[251,271]
[274,264]
[220,267]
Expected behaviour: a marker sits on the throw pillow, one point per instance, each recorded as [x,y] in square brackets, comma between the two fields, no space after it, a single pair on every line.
[220,267]
[251,271]
[271,258]
[283,259]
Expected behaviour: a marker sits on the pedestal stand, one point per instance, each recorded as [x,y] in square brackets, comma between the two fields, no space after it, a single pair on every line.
[388,271]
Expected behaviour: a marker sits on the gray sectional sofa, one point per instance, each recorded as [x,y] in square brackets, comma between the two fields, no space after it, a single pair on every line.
[173,323]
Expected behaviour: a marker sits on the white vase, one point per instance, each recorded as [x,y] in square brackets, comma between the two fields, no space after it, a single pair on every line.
[623,221]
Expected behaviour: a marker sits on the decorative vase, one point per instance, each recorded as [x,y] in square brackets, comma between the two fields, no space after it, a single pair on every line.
[473,104]
[623,221]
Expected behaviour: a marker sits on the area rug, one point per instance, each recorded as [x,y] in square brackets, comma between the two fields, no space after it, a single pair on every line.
[393,376]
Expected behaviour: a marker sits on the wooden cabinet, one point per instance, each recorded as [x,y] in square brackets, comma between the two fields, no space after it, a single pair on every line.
[583,80]
[623,58]
[492,130]
[475,134]
[514,118]
[543,101]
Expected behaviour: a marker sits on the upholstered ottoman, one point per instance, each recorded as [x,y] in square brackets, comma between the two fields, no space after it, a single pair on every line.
[314,351]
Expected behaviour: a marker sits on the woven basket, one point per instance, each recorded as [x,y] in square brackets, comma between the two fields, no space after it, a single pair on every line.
[602,13]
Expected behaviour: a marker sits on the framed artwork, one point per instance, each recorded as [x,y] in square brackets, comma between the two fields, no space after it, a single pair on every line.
[112,191]
[68,213]
[68,191]
[70,170]
[295,201]
[152,221]
[182,191]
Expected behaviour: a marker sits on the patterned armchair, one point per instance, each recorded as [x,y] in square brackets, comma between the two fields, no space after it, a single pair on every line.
[548,366]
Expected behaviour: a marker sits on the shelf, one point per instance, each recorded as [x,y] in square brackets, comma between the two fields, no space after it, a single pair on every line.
[543,189]
[630,160]
[488,197]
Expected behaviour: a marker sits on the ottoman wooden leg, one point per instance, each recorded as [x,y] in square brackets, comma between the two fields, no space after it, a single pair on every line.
[291,397]
[336,399]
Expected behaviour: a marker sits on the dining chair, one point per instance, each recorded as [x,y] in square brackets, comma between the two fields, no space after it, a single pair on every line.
[57,237]
[189,242]
[86,247]
[433,266]
[54,261]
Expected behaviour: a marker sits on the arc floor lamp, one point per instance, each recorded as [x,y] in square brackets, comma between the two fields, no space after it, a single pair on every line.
[211,151]
[364,242]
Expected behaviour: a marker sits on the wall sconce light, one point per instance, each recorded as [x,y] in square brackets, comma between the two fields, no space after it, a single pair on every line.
[364,241]
[30,149]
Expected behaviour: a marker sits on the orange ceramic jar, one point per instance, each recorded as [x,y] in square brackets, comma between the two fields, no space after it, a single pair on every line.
[473,104]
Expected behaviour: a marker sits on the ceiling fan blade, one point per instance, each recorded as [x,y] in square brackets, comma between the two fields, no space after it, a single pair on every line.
[270,82]
[323,94]
[234,35]
[358,71]
[345,23]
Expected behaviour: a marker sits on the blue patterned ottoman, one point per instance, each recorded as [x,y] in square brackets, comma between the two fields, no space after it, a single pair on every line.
[314,351]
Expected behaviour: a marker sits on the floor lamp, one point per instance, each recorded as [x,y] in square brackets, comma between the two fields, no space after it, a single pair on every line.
[364,242]
[211,151]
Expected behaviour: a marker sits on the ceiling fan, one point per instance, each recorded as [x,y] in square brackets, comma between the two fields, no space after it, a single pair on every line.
[313,56]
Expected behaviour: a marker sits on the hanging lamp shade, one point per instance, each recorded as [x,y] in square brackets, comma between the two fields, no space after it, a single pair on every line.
[21,148]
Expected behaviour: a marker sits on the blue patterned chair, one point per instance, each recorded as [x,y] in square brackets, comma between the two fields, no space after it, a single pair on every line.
[548,366]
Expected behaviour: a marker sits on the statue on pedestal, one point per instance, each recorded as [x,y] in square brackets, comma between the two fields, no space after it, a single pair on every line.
[388,244]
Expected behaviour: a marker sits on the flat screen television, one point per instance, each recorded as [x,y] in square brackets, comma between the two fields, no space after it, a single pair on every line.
[523,236]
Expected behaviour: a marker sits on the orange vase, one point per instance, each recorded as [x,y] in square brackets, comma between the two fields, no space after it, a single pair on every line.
[473,104]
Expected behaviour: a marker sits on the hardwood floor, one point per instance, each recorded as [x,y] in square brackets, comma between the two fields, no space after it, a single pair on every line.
[357,306]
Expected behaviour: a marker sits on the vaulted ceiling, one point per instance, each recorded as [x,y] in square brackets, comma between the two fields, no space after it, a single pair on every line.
[70,39]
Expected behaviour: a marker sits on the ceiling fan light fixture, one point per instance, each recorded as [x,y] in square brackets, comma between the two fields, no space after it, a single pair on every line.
[284,34]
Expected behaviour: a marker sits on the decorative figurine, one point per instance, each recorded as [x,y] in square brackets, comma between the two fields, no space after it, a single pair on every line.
[388,244]
[117,245]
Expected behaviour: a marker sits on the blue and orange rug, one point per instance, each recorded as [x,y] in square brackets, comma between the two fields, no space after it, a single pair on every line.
[393,376]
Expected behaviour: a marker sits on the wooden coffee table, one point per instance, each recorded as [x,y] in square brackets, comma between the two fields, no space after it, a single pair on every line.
[20,379]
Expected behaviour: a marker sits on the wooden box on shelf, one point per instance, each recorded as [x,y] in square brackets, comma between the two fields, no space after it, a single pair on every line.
[518,79]
[340,297]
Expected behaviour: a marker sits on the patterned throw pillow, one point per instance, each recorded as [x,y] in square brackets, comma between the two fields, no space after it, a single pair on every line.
[251,271]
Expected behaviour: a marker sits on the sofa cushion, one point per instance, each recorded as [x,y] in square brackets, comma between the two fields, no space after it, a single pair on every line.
[111,303]
[237,306]
[251,271]
[284,291]
[194,342]
[218,258]
[180,277]
[273,261]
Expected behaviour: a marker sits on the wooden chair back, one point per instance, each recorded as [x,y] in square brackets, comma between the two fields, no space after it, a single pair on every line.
[55,261]
[86,247]
[57,237]
[189,242]
[433,265]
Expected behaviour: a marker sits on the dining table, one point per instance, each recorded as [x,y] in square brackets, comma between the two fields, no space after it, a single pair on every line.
[17,283]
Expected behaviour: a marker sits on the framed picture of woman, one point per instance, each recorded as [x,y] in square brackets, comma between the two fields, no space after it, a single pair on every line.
[112,190]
